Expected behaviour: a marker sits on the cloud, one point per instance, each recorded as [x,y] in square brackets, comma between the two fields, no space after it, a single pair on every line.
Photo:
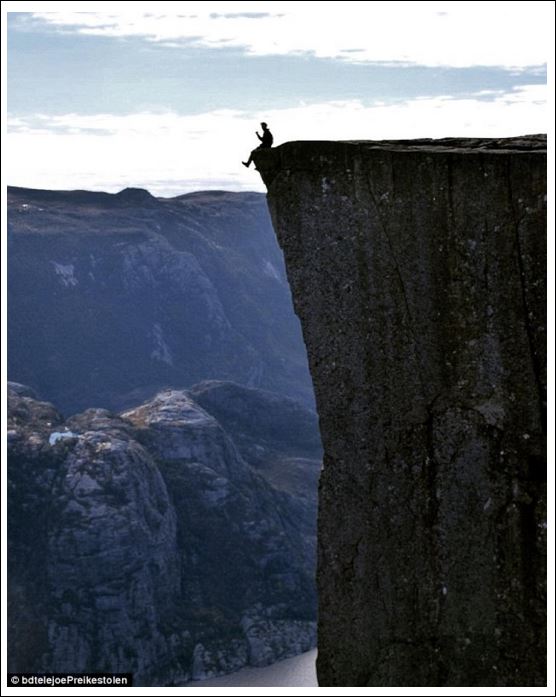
[169,153]
[457,34]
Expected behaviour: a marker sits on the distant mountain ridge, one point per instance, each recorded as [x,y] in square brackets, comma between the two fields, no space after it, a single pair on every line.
[113,297]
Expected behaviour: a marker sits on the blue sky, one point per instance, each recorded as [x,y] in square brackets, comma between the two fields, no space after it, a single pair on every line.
[169,100]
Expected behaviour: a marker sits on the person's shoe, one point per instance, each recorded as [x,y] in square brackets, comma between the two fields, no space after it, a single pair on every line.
[244,164]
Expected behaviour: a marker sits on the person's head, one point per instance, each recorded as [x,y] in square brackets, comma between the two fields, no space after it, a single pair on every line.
[263,125]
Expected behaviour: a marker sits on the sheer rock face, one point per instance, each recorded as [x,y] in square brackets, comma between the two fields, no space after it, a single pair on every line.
[418,272]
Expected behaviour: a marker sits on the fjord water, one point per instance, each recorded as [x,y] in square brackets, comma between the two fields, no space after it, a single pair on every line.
[298,671]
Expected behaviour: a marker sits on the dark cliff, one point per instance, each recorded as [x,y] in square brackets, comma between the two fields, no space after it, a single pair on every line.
[418,272]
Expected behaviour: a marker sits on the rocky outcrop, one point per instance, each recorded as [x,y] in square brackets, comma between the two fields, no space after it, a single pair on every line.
[147,543]
[279,439]
[418,272]
[114,297]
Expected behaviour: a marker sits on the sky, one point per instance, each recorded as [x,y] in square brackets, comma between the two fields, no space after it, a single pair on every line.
[168,96]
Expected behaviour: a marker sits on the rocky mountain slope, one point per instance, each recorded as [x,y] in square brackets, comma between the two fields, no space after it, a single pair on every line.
[113,297]
[156,541]
[418,270]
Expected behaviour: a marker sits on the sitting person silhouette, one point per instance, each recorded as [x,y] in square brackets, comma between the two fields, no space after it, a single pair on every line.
[266,142]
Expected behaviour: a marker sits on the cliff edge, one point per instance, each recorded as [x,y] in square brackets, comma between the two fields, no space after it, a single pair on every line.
[418,272]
